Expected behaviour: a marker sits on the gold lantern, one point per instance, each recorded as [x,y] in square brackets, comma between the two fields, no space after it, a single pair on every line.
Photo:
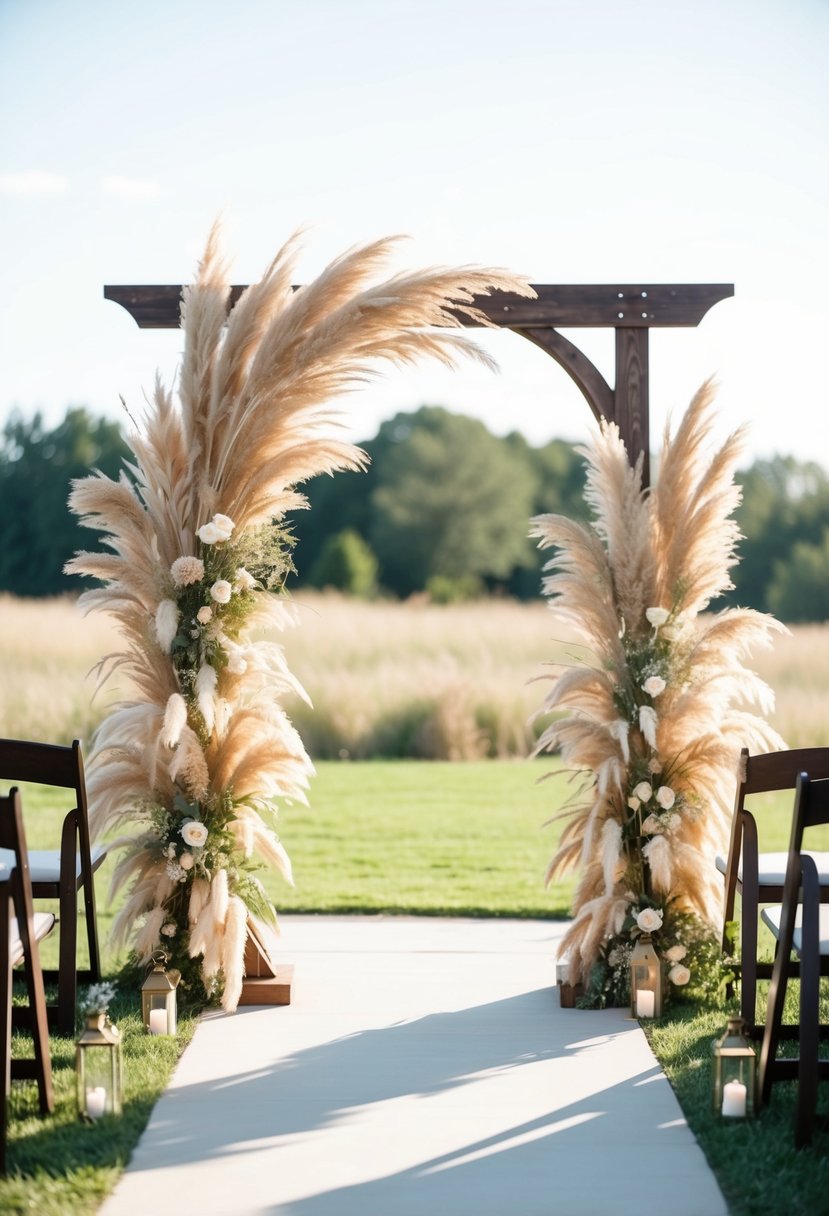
[98,1068]
[158,997]
[734,1075]
[645,979]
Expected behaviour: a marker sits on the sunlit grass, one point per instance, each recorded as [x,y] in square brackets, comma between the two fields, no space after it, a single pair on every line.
[386,679]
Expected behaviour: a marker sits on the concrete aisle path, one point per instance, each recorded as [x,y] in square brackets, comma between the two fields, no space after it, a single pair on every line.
[425,1068]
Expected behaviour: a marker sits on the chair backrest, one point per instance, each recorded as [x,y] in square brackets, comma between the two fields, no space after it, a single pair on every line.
[771,771]
[765,773]
[811,808]
[13,837]
[49,764]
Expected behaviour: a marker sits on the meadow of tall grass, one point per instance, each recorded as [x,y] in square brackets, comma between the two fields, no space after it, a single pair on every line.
[416,679]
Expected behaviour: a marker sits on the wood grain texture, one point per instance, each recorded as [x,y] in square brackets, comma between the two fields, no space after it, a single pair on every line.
[637,305]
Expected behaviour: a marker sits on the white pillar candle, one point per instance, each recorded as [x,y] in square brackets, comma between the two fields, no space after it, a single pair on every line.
[96,1102]
[644,1003]
[158,1021]
[734,1100]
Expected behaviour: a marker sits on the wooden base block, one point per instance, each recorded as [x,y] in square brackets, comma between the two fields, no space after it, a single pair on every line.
[569,994]
[269,990]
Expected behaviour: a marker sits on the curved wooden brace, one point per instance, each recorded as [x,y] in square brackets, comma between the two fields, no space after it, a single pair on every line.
[597,392]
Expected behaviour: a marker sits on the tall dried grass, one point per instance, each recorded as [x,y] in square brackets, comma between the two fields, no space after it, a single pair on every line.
[412,679]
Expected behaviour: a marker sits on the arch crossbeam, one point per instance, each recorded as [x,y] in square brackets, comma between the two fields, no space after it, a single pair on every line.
[630,309]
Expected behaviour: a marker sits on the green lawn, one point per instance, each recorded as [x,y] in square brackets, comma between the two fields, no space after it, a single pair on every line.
[424,838]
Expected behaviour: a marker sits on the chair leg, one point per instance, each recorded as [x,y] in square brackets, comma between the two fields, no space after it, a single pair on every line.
[748,958]
[67,957]
[91,928]
[771,1030]
[67,978]
[807,1073]
[5,1026]
[748,926]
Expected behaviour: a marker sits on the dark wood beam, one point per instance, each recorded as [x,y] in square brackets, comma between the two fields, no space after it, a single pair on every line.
[638,305]
[630,309]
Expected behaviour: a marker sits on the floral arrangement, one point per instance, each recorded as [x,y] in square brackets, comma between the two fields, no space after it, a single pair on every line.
[97,998]
[657,711]
[189,775]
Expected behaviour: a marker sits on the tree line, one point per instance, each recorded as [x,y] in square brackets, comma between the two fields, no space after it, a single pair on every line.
[441,509]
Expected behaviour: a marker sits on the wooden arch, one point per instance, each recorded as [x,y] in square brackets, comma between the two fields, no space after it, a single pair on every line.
[631,310]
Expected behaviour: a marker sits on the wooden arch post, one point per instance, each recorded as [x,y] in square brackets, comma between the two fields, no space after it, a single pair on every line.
[631,310]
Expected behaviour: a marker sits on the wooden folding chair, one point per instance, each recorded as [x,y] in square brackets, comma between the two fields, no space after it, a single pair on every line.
[61,873]
[20,932]
[758,877]
[801,924]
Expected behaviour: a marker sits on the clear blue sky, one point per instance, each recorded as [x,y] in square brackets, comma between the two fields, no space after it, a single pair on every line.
[588,142]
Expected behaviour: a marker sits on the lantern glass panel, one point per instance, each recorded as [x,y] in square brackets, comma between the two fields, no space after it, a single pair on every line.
[645,980]
[158,998]
[734,1076]
[98,1069]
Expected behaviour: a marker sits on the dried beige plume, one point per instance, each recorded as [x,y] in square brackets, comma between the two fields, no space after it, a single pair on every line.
[671,550]
[254,419]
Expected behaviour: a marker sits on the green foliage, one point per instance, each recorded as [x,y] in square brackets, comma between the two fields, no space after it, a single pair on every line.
[443,499]
[444,505]
[347,564]
[784,518]
[799,589]
[443,589]
[36,468]
[450,500]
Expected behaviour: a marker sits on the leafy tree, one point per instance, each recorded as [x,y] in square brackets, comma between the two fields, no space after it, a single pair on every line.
[450,499]
[36,467]
[799,589]
[347,563]
[785,503]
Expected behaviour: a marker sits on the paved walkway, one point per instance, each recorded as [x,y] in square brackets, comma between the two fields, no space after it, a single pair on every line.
[425,1068]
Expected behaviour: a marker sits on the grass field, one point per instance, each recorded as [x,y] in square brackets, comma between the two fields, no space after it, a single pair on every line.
[387,680]
[393,836]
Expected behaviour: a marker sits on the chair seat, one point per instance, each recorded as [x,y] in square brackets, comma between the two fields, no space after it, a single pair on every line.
[43,923]
[772,868]
[772,915]
[44,864]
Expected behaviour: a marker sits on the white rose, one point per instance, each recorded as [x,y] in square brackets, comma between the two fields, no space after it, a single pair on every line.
[634,803]
[676,954]
[666,797]
[224,525]
[653,686]
[193,833]
[649,920]
[221,591]
[205,614]
[186,862]
[651,825]
[169,930]
[643,791]
[654,765]
[679,975]
[209,534]
[657,616]
[245,579]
